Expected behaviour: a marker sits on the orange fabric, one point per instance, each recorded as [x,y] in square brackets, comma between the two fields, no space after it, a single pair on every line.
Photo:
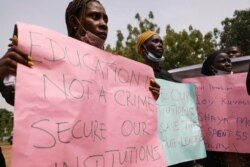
[142,38]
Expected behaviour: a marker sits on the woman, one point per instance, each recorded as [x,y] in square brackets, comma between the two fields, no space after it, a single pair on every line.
[150,46]
[219,63]
[86,21]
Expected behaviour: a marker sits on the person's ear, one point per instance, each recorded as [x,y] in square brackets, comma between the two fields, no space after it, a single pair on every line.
[144,50]
[74,22]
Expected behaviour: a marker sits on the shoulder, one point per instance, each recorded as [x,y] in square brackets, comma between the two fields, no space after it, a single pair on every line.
[164,74]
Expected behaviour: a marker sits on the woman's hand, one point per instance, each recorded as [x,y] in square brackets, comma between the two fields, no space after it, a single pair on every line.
[155,89]
[14,55]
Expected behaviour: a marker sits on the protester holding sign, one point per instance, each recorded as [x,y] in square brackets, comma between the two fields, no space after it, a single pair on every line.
[215,64]
[150,46]
[86,21]
[219,63]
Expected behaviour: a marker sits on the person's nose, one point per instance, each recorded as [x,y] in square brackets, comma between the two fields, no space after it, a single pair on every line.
[160,45]
[228,63]
[103,24]
[231,55]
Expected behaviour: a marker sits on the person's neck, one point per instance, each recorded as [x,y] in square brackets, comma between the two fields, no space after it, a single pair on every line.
[154,65]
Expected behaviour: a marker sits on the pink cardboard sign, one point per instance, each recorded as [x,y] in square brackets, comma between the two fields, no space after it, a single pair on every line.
[224,112]
[80,106]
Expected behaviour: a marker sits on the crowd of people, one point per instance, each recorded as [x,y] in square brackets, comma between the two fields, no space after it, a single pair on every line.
[87,21]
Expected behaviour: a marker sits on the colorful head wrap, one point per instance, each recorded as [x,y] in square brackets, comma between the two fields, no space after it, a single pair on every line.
[141,40]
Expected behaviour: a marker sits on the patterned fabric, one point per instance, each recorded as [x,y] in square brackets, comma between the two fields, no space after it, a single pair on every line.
[142,38]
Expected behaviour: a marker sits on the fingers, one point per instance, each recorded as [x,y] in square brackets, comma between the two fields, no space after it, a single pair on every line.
[17,55]
[7,66]
[8,63]
[14,55]
[154,84]
[155,93]
[155,89]
[14,40]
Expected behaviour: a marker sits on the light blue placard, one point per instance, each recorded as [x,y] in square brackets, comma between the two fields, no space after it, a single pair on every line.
[178,125]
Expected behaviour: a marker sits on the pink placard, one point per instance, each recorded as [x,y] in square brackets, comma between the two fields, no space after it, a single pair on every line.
[80,106]
[224,112]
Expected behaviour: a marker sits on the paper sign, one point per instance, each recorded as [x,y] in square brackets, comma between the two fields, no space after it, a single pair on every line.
[224,112]
[178,124]
[80,106]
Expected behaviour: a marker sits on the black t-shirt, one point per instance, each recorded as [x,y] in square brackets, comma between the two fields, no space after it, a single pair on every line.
[163,74]
[248,81]
[8,92]
[2,160]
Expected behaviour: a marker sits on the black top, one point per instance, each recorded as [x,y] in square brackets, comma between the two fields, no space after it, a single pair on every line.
[8,92]
[163,74]
[2,160]
[248,81]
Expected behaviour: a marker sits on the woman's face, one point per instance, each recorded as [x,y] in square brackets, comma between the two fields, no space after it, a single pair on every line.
[222,62]
[95,19]
[155,45]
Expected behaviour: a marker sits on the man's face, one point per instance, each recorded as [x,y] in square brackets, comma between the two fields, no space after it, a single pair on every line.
[95,20]
[234,52]
[155,45]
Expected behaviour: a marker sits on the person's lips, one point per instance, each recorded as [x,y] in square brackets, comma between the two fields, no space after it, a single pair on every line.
[102,35]
[160,51]
[229,68]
